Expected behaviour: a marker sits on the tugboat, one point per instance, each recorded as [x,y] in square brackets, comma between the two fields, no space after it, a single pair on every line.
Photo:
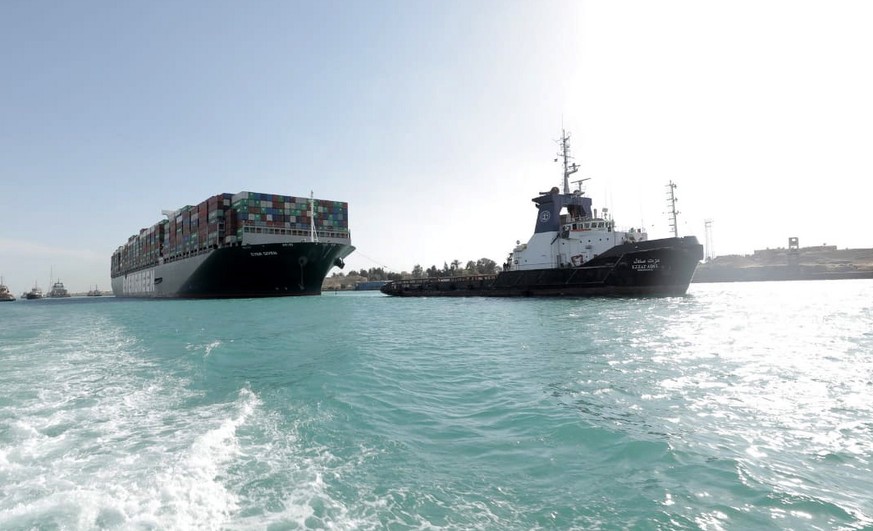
[33,294]
[58,291]
[5,294]
[574,253]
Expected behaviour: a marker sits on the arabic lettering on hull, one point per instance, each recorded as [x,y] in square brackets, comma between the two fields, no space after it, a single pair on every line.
[646,264]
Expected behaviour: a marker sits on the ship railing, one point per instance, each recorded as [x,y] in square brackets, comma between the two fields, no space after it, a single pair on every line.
[124,269]
[436,281]
[337,234]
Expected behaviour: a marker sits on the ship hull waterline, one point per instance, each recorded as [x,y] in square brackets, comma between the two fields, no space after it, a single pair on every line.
[651,268]
[242,271]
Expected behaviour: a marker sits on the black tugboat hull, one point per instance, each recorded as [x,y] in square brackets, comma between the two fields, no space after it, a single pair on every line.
[246,271]
[651,268]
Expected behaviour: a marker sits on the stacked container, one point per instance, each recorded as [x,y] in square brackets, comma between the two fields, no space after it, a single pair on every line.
[251,209]
[141,250]
[214,229]
[193,229]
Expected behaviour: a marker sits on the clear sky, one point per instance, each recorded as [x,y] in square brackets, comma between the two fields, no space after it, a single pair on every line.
[435,120]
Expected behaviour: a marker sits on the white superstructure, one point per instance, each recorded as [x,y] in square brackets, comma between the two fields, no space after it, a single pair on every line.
[568,231]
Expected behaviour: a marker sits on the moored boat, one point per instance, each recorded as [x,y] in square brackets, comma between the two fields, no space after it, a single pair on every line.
[5,294]
[58,291]
[34,293]
[575,252]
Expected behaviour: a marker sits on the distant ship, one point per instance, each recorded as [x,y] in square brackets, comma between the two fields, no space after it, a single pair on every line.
[575,252]
[58,291]
[5,294]
[95,292]
[235,246]
[34,293]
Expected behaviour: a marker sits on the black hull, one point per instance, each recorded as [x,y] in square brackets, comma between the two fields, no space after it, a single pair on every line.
[247,271]
[652,268]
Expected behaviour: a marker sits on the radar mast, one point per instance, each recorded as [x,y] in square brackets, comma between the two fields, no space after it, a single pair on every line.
[671,202]
[569,167]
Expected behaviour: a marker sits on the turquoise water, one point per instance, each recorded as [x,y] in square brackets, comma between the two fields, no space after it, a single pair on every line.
[738,406]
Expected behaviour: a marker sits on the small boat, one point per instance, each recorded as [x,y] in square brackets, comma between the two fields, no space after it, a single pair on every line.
[33,294]
[58,291]
[94,292]
[5,294]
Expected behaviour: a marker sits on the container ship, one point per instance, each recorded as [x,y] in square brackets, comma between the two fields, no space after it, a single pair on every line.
[235,246]
[575,252]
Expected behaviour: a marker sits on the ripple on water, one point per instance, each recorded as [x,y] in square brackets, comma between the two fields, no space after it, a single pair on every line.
[736,407]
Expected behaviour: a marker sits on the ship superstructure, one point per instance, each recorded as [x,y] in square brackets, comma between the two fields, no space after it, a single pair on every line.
[568,230]
[235,245]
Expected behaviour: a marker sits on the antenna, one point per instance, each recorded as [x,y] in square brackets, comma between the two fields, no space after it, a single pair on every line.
[671,202]
[569,168]
[579,183]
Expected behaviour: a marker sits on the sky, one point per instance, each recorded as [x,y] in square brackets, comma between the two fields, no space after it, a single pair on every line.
[436,121]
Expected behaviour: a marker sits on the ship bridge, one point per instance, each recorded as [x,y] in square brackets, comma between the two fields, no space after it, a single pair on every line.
[552,203]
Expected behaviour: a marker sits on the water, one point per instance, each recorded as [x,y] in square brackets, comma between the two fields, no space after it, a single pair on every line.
[738,406]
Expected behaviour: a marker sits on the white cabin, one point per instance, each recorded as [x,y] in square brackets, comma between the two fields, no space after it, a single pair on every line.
[568,231]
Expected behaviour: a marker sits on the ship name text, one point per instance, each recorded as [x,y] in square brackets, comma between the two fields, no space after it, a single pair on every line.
[139,282]
[643,264]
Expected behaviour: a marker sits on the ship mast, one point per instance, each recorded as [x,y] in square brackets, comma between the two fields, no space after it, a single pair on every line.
[671,202]
[569,168]
[313,235]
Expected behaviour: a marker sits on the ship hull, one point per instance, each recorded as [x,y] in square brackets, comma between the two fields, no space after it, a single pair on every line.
[243,271]
[651,268]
